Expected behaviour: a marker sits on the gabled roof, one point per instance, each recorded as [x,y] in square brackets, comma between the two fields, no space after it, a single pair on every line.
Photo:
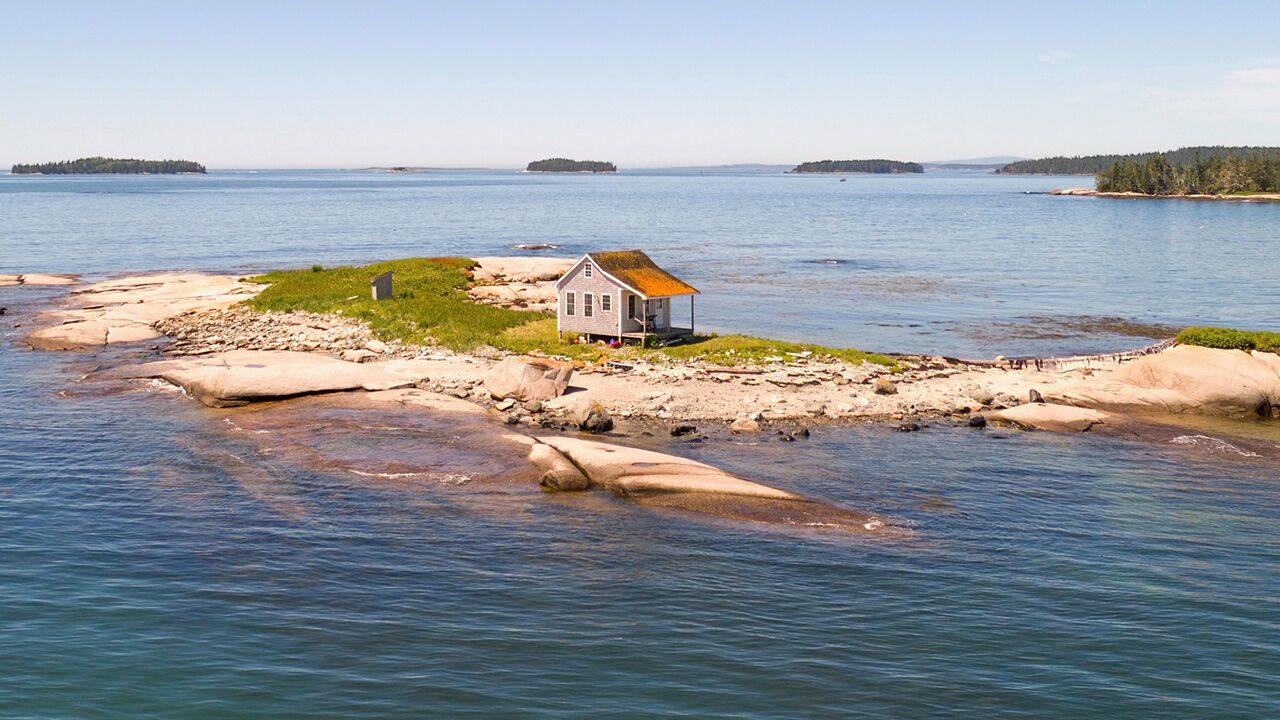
[640,274]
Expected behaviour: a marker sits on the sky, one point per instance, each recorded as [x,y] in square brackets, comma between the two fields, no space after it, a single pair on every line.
[644,84]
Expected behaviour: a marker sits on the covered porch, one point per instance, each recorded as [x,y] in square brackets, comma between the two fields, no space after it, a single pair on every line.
[651,317]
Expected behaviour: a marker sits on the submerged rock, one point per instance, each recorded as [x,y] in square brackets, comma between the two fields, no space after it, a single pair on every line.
[654,478]
[744,425]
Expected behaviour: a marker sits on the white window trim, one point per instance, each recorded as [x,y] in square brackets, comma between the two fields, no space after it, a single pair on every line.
[569,303]
[606,302]
[588,306]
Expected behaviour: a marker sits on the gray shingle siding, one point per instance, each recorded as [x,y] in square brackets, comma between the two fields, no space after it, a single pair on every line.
[602,322]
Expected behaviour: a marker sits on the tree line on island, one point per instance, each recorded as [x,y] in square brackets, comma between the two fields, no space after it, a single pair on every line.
[1094,164]
[876,167]
[1157,174]
[110,166]
[567,165]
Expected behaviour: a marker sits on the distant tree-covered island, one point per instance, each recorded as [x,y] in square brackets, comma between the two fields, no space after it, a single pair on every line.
[876,167]
[1094,164]
[110,166]
[1164,174]
[571,166]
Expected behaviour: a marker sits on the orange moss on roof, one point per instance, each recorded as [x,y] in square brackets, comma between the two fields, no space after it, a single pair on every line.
[641,274]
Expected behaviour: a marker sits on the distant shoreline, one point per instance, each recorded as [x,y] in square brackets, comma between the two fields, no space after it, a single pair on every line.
[1086,192]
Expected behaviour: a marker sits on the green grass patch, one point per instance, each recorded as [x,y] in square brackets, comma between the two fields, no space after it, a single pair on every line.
[745,350]
[430,305]
[1229,339]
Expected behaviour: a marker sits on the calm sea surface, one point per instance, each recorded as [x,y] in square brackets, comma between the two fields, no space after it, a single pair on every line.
[956,263]
[154,563]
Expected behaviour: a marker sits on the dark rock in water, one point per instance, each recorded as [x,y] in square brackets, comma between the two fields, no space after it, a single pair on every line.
[977,421]
[1036,397]
[785,437]
[908,427]
[802,432]
[511,420]
[2,310]
[682,430]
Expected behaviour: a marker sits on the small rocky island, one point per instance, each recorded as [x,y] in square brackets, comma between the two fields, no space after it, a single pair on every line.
[111,166]
[565,165]
[874,167]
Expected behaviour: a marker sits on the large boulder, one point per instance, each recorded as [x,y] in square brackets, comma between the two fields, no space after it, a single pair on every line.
[590,415]
[1187,379]
[528,379]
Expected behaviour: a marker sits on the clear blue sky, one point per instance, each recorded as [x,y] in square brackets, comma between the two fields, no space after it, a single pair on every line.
[322,84]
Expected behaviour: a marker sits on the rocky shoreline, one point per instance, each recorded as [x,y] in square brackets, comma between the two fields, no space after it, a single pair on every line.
[225,354]
[1087,192]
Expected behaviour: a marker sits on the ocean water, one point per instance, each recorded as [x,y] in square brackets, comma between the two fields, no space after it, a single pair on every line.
[156,562]
[963,264]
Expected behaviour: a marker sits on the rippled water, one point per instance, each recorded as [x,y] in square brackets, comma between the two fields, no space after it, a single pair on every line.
[956,263]
[157,562]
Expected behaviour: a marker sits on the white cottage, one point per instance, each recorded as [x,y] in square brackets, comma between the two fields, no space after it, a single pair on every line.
[621,294]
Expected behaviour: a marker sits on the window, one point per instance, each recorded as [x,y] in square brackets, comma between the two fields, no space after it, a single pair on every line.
[588,310]
[606,302]
[568,303]
[631,306]
[659,305]
[586,270]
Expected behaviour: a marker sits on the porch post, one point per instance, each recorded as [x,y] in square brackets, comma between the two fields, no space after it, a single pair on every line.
[691,325]
[644,321]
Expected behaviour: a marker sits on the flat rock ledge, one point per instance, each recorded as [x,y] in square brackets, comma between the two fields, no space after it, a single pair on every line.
[126,310]
[240,377]
[1046,416]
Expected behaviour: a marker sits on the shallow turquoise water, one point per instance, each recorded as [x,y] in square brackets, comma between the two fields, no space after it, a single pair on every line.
[155,564]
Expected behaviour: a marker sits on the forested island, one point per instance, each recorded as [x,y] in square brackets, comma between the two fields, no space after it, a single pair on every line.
[571,166]
[110,166]
[876,167]
[1257,171]
[1094,164]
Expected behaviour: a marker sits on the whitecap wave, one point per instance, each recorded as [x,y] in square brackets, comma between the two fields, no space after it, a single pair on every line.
[1211,444]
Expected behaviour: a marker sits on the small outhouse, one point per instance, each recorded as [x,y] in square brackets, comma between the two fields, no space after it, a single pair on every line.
[620,294]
